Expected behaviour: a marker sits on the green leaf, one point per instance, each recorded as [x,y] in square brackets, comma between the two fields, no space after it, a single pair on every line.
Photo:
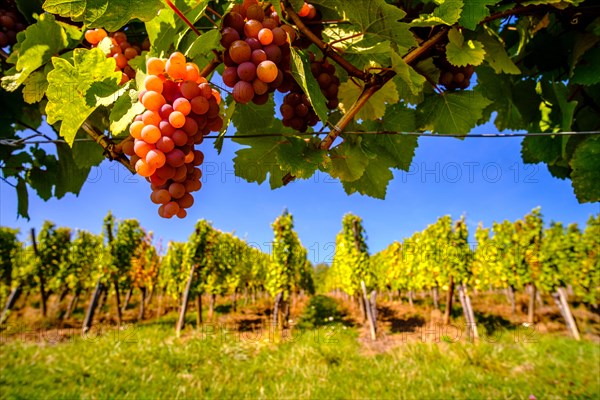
[374,108]
[70,178]
[496,56]
[42,175]
[414,81]
[300,158]
[583,43]
[586,71]
[308,83]
[35,87]
[250,119]
[37,45]
[108,14]
[227,115]
[87,154]
[76,90]
[23,199]
[515,101]
[347,161]
[567,108]
[42,181]
[448,13]
[460,52]
[126,108]
[167,30]
[535,149]
[374,180]
[586,173]
[376,19]
[474,11]
[399,150]
[29,7]
[452,113]
[204,45]
[256,162]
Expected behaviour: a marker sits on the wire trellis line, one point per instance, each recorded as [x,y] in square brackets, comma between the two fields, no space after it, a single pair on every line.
[28,141]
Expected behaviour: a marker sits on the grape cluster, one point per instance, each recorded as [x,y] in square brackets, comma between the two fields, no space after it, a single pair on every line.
[451,76]
[181,108]
[257,55]
[296,110]
[324,73]
[120,49]
[11,23]
[308,13]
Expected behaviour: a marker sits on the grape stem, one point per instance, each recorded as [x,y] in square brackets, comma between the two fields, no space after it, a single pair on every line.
[182,16]
[213,12]
[325,48]
[375,83]
[109,147]
[211,66]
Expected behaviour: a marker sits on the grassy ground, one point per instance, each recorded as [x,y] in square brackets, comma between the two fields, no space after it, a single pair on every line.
[325,361]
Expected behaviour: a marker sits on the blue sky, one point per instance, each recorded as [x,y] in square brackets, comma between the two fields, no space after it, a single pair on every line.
[482,178]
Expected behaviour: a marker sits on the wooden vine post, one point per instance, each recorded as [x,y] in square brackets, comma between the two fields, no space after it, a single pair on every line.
[465,302]
[449,296]
[89,316]
[184,301]
[10,303]
[365,297]
[560,298]
[43,293]
[109,232]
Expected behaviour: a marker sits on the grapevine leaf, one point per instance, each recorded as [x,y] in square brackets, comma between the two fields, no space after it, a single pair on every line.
[567,108]
[347,161]
[36,46]
[515,102]
[460,52]
[586,71]
[126,108]
[254,163]
[374,180]
[204,45]
[227,115]
[87,154]
[308,83]
[29,7]
[300,158]
[452,113]
[13,165]
[41,181]
[474,11]
[448,13]
[586,174]
[250,118]
[535,149]
[412,78]
[108,14]
[70,178]
[23,199]
[583,43]
[76,90]
[375,107]
[167,29]
[496,56]
[399,150]
[42,175]
[377,20]
[35,87]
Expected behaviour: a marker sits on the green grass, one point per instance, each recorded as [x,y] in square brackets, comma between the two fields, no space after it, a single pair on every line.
[154,364]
